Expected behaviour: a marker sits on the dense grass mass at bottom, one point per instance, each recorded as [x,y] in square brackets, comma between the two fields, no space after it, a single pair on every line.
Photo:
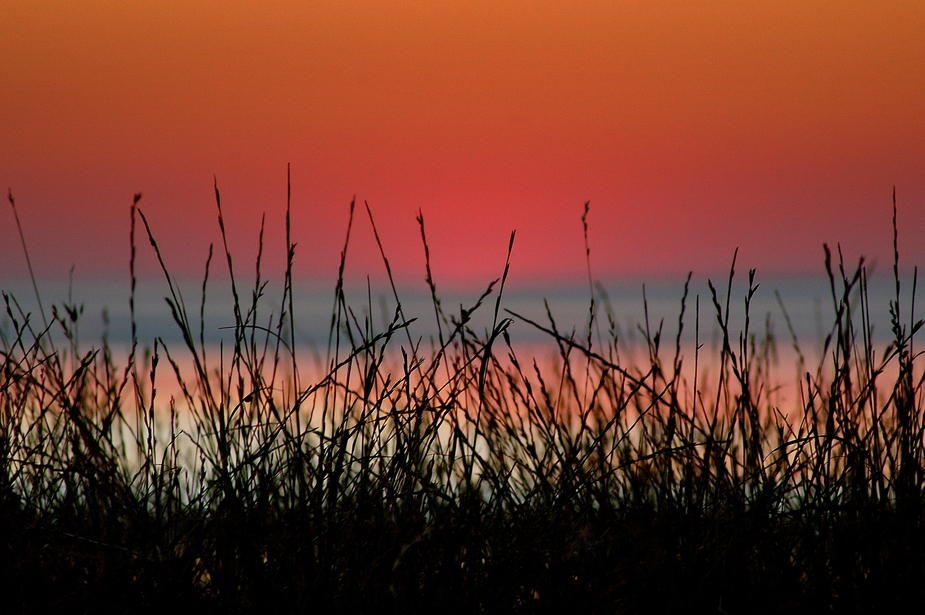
[453,474]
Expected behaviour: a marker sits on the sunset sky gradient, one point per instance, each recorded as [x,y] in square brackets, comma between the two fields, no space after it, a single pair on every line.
[693,128]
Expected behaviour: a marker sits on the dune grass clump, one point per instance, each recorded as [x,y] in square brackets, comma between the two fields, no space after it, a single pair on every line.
[452,473]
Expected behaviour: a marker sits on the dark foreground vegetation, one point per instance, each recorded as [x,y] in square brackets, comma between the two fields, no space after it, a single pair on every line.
[452,475]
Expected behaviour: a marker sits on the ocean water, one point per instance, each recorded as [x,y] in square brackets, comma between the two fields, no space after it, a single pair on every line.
[627,315]
[625,308]
[628,312]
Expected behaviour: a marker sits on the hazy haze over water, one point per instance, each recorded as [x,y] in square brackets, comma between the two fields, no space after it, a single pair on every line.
[808,301]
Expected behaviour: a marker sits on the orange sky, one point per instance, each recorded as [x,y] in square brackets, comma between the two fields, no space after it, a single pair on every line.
[692,127]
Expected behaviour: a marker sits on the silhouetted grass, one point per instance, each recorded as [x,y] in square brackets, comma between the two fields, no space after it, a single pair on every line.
[453,474]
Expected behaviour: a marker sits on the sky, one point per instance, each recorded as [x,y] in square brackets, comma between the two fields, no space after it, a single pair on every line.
[692,128]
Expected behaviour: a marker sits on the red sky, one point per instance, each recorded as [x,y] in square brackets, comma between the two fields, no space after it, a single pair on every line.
[692,127]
